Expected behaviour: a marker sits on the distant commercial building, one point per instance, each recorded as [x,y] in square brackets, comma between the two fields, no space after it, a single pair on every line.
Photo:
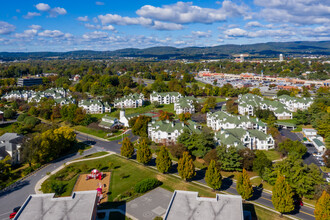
[29,81]
[281,57]
[80,206]
[186,205]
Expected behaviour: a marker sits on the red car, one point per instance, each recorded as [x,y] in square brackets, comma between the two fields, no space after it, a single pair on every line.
[15,210]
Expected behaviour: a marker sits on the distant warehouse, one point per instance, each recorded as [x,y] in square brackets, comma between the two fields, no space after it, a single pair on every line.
[29,81]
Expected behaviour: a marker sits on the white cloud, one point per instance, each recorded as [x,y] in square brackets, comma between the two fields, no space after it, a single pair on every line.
[35,27]
[253,24]
[158,25]
[201,34]
[31,15]
[43,7]
[300,12]
[51,33]
[235,32]
[119,20]
[186,12]
[84,18]
[6,28]
[27,34]
[99,3]
[238,32]
[108,28]
[54,12]
[95,35]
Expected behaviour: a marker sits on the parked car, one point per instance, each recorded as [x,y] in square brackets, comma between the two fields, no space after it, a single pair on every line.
[15,210]
[328,179]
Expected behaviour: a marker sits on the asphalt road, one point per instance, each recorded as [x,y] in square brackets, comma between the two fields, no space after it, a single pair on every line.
[18,195]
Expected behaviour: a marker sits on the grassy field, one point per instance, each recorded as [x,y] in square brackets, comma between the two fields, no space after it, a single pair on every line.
[97,133]
[144,109]
[257,181]
[272,154]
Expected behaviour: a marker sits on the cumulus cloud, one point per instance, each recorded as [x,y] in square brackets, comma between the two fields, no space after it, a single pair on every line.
[158,25]
[186,12]
[35,27]
[84,18]
[95,35]
[253,24]
[30,15]
[106,27]
[51,33]
[53,12]
[99,3]
[119,20]
[43,7]
[6,28]
[295,11]
[238,32]
[201,34]
[27,34]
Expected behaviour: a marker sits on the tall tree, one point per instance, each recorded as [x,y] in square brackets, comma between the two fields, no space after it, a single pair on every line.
[127,148]
[282,196]
[229,158]
[322,208]
[244,186]
[143,154]
[261,162]
[186,167]
[163,160]
[213,176]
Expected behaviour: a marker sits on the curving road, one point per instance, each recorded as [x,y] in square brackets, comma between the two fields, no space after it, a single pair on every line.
[16,197]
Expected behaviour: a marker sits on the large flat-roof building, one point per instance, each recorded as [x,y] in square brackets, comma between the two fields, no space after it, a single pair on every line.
[187,205]
[80,206]
[29,81]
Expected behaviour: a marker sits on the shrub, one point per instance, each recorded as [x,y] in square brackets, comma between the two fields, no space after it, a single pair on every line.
[21,117]
[146,185]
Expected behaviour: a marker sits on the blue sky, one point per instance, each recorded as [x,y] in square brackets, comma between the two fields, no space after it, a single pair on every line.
[66,25]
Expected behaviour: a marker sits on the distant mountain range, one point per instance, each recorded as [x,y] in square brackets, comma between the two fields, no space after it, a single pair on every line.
[260,50]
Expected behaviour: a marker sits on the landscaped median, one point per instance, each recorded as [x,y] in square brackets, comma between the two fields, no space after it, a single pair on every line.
[124,176]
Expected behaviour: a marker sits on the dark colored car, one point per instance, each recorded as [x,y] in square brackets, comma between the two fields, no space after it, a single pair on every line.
[15,210]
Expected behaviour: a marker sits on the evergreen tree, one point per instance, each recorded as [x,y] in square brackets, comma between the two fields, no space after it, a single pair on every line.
[143,154]
[186,167]
[244,186]
[282,196]
[163,160]
[213,176]
[322,208]
[127,148]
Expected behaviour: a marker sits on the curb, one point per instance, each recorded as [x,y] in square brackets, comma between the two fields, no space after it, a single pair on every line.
[40,182]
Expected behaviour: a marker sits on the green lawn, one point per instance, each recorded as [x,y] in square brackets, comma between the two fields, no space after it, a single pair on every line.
[144,109]
[119,137]
[272,154]
[97,133]
[257,181]
[325,169]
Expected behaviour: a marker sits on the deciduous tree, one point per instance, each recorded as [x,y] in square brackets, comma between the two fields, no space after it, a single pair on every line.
[322,208]
[186,167]
[127,148]
[282,196]
[163,160]
[213,176]
[143,154]
[244,186]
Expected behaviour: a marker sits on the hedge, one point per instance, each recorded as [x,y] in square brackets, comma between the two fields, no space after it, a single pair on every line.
[146,185]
